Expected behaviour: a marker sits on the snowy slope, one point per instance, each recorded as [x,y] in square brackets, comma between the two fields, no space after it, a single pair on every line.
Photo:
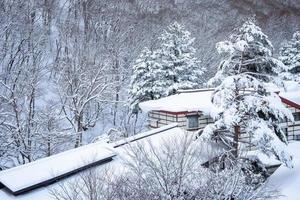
[286,180]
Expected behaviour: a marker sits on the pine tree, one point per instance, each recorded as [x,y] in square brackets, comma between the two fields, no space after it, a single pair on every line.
[161,72]
[181,69]
[290,56]
[146,81]
[245,106]
[258,56]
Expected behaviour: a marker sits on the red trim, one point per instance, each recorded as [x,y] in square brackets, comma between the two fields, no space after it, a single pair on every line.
[176,113]
[284,100]
[290,103]
[173,113]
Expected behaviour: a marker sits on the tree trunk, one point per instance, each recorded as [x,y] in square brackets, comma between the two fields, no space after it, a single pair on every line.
[79,120]
[117,97]
[236,140]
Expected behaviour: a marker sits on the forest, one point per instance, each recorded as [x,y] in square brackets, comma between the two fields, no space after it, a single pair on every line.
[66,65]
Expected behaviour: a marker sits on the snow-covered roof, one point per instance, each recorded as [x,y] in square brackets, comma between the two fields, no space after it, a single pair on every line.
[26,177]
[286,180]
[290,93]
[199,100]
[29,174]
[293,97]
[144,135]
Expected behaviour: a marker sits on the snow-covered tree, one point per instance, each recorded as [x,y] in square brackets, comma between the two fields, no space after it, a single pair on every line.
[254,48]
[52,137]
[22,65]
[180,66]
[146,81]
[290,56]
[246,108]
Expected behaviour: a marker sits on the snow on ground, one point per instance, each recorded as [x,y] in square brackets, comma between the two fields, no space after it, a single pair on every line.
[286,180]
[189,101]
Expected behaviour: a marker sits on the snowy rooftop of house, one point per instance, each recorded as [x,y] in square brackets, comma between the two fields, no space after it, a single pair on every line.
[25,177]
[184,101]
[292,92]
[200,100]
[35,180]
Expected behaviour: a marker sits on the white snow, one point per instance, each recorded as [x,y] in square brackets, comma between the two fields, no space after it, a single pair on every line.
[292,92]
[241,45]
[291,96]
[183,102]
[225,47]
[153,137]
[286,180]
[201,100]
[266,160]
[24,176]
[144,135]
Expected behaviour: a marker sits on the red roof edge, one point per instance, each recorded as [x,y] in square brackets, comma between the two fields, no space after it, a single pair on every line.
[290,103]
[176,113]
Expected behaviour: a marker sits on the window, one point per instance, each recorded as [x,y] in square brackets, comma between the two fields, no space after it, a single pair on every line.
[297,137]
[193,121]
[285,130]
[296,116]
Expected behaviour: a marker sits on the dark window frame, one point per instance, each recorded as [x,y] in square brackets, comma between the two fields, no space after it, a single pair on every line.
[296,116]
[192,124]
[297,137]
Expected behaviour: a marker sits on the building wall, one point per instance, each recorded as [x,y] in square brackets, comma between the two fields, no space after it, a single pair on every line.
[293,128]
[158,119]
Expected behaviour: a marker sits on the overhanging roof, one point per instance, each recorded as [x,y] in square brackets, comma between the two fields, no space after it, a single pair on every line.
[200,100]
[189,101]
[45,171]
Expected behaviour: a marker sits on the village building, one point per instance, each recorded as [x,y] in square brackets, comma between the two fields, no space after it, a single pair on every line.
[189,108]
[36,180]
[192,109]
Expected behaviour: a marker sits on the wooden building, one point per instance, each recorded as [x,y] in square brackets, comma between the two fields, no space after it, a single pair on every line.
[191,110]
[292,129]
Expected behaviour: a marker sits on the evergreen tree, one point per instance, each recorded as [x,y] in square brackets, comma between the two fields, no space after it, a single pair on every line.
[181,69]
[162,72]
[246,108]
[145,81]
[259,61]
[290,56]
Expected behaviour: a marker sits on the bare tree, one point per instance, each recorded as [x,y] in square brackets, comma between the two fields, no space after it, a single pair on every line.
[20,76]
[168,170]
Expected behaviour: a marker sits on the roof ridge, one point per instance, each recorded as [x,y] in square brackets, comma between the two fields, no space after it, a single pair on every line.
[195,90]
[144,135]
